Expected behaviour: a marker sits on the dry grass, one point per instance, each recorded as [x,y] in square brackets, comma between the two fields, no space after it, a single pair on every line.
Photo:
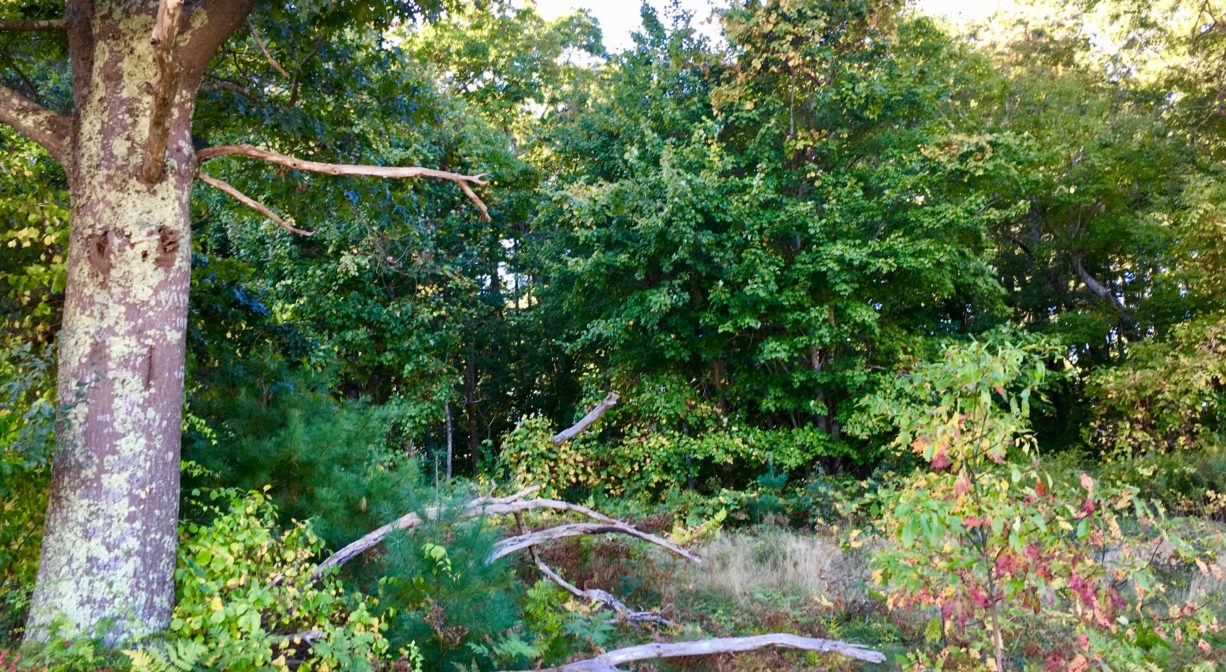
[769,561]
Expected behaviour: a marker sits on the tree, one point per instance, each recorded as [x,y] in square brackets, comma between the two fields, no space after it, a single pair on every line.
[127,148]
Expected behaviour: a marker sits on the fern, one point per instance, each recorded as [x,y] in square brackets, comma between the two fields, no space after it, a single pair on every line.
[178,656]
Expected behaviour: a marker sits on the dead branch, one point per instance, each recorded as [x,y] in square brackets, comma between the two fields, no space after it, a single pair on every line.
[15,25]
[586,421]
[512,544]
[1097,288]
[397,173]
[491,506]
[252,203]
[165,32]
[260,43]
[36,122]
[608,662]
[408,522]
[602,597]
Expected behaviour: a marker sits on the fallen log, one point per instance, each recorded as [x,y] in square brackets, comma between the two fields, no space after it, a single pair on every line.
[608,662]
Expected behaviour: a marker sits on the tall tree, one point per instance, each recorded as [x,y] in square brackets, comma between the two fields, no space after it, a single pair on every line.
[126,146]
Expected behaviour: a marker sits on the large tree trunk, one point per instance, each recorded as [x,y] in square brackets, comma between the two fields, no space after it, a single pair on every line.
[109,547]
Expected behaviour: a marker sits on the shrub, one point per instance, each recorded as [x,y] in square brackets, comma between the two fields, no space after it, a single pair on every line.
[244,600]
[1014,561]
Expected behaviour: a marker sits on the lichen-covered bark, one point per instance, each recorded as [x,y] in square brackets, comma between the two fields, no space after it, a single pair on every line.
[109,547]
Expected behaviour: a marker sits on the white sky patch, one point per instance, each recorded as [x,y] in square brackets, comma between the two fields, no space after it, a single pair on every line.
[619,18]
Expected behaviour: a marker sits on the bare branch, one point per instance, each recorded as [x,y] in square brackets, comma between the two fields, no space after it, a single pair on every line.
[1097,288]
[252,203]
[165,33]
[495,507]
[586,421]
[609,661]
[408,522]
[41,125]
[602,597]
[260,43]
[512,544]
[397,173]
[49,26]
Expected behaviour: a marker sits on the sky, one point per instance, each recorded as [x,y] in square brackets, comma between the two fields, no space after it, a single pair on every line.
[619,18]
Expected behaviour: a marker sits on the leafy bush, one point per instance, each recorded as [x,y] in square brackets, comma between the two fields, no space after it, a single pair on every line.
[1015,561]
[1167,395]
[245,600]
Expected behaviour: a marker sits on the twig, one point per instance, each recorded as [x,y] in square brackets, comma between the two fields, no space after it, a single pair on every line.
[260,43]
[586,421]
[252,203]
[609,661]
[393,172]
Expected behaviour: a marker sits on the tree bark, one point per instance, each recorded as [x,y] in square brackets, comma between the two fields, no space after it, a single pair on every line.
[108,549]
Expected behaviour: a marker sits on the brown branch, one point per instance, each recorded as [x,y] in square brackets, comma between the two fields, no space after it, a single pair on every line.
[260,43]
[586,421]
[49,26]
[512,544]
[165,33]
[41,125]
[252,203]
[609,661]
[491,506]
[396,173]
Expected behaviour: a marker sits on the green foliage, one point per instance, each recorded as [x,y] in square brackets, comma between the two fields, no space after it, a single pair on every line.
[1167,395]
[245,600]
[27,417]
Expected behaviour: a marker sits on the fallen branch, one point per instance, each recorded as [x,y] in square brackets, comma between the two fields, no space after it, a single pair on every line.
[49,26]
[602,597]
[252,203]
[165,32]
[518,543]
[608,662]
[586,421]
[397,173]
[500,506]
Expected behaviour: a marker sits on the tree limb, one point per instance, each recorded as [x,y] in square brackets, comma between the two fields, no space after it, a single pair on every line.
[503,506]
[48,26]
[41,125]
[586,421]
[608,662]
[398,173]
[165,33]
[1097,288]
[602,597]
[252,203]
[512,544]
[260,43]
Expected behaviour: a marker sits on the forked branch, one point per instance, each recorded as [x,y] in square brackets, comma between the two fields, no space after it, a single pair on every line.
[17,25]
[397,173]
[165,33]
[608,662]
[36,122]
[246,200]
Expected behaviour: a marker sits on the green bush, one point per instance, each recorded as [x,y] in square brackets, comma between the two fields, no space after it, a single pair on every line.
[245,600]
